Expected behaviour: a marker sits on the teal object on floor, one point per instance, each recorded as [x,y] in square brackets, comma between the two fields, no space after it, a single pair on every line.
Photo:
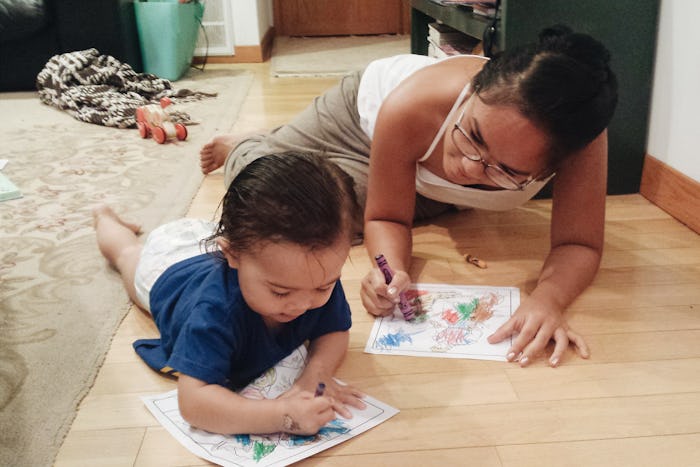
[168,35]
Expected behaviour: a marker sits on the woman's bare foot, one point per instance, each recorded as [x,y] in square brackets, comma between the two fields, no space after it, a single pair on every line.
[213,154]
[104,212]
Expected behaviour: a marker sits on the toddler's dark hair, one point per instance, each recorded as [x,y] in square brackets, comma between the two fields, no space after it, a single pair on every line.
[563,84]
[290,197]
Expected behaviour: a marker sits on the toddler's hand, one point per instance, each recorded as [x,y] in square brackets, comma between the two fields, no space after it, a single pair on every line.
[341,395]
[344,395]
[304,414]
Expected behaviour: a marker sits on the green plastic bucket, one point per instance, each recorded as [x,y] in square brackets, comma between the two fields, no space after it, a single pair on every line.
[167,35]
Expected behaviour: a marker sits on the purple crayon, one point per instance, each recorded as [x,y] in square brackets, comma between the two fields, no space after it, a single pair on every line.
[320,389]
[404,306]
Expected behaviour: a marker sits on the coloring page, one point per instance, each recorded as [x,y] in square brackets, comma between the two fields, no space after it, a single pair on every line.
[266,450]
[450,321]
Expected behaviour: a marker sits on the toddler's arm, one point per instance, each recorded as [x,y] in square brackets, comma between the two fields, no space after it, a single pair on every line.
[217,409]
[326,353]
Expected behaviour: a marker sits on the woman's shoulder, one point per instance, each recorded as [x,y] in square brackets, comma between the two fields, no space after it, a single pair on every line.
[413,62]
[452,72]
[414,111]
[426,96]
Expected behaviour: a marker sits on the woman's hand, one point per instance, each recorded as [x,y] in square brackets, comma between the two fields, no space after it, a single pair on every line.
[534,324]
[380,298]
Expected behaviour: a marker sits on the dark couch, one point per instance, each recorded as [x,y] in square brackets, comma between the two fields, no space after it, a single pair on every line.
[32,31]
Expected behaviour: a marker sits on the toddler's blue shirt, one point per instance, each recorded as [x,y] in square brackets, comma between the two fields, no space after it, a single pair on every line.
[208,332]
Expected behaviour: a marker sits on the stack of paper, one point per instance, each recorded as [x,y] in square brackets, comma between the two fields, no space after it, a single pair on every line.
[8,190]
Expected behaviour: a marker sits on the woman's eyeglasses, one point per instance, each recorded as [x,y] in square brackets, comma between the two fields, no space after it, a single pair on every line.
[495,173]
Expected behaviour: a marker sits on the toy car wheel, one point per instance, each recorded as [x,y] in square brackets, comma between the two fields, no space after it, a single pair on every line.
[158,134]
[143,129]
[139,115]
[181,131]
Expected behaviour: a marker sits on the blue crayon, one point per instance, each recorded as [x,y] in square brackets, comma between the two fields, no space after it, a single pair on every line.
[320,389]
[404,306]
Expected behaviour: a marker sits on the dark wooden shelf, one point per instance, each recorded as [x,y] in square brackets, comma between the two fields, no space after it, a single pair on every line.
[626,27]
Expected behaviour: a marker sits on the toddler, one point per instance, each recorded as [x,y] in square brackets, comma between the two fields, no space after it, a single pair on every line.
[267,281]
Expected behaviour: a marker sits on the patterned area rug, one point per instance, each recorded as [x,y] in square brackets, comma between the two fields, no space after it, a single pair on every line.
[59,304]
[332,56]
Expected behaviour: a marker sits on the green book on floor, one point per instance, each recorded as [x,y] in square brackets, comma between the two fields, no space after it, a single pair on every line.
[8,190]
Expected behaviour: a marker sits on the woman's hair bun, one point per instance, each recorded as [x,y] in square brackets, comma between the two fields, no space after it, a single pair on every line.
[561,39]
[552,33]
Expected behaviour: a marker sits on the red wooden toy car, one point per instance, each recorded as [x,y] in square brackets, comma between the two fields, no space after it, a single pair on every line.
[153,120]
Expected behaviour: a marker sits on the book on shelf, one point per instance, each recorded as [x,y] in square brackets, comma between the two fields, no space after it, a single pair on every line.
[435,51]
[444,41]
[484,9]
[449,2]
[450,49]
[440,33]
[465,3]
[8,190]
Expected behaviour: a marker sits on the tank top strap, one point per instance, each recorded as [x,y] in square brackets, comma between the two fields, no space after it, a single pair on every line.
[447,122]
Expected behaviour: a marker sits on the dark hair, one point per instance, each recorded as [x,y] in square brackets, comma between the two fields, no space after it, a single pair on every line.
[290,197]
[563,84]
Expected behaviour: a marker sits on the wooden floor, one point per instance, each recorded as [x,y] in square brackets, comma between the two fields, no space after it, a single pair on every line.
[636,402]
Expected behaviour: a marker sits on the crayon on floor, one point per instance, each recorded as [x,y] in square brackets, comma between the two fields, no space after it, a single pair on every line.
[480,263]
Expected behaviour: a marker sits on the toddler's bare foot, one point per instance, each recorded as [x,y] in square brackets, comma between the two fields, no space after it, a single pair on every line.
[213,154]
[104,212]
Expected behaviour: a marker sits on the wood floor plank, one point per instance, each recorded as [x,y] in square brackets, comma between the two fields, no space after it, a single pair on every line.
[114,379]
[606,380]
[117,448]
[159,449]
[531,423]
[651,257]
[481,457]
[651,451]
[628,320]
[113,411]
[439,390]
[638,295]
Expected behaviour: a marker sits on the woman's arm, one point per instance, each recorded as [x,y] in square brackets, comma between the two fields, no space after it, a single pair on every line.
[391,188]
[219,410]
[391,194]
[577,236]
[408,121]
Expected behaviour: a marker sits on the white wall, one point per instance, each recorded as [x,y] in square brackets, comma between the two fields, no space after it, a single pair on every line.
[674,130]
[251,20]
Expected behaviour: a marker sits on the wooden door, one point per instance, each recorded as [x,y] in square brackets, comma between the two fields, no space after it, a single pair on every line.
[340,17]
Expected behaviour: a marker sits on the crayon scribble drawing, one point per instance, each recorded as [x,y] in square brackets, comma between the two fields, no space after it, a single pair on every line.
[451,321]
[266,450]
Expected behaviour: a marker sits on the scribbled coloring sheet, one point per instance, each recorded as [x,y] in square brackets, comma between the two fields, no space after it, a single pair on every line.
[452,322]
[266,450]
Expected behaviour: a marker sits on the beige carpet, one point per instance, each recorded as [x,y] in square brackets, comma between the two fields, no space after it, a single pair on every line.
[59,303]
[332,56]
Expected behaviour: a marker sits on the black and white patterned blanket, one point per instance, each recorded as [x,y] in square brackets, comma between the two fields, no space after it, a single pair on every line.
[100,89]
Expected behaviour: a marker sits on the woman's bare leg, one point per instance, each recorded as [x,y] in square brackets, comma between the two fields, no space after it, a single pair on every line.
[119,243]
